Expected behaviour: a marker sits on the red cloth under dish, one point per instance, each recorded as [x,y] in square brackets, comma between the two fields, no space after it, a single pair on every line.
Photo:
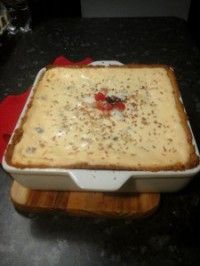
[12,105]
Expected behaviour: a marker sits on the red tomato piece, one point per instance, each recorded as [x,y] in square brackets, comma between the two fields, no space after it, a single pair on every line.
[104,106]
[100,105]
[120,106]
[108,106]
[100,96]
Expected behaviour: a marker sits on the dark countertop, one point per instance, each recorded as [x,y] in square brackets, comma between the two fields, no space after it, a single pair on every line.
[169,237]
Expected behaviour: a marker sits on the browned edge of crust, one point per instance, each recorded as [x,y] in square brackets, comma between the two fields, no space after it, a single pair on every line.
[112,66]
[18,132]
[193,159]
[175,167]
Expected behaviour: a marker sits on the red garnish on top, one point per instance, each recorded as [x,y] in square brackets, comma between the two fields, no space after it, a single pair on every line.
[104,106]
[107,103]
[100,96]
[120,106]
[108,106]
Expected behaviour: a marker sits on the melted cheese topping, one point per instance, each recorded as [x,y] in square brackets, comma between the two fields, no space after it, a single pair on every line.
[64,128]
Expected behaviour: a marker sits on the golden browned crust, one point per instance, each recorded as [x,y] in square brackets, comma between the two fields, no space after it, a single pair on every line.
[174,167]
[193,159]
[18,133]
[191,163]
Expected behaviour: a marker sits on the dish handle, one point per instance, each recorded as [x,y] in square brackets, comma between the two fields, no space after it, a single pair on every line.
[99,180]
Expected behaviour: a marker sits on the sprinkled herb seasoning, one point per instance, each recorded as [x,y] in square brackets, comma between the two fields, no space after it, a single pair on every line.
[39,130]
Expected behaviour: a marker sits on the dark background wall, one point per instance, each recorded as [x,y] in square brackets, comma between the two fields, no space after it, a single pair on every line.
[185,9]
[45,9]
[135,8]
[188,10]
[194,21]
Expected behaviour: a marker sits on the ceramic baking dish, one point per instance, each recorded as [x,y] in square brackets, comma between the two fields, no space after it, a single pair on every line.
[99,180]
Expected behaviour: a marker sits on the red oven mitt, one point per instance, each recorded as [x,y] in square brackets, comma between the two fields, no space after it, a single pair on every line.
[12,105]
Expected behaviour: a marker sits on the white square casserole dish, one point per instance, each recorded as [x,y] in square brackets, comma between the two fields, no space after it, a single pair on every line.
[99,180]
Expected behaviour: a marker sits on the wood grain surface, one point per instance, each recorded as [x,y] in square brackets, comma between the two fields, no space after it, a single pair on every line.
[84,203]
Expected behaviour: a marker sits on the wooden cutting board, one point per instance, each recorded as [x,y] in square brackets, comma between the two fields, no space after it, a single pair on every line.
[84,203]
